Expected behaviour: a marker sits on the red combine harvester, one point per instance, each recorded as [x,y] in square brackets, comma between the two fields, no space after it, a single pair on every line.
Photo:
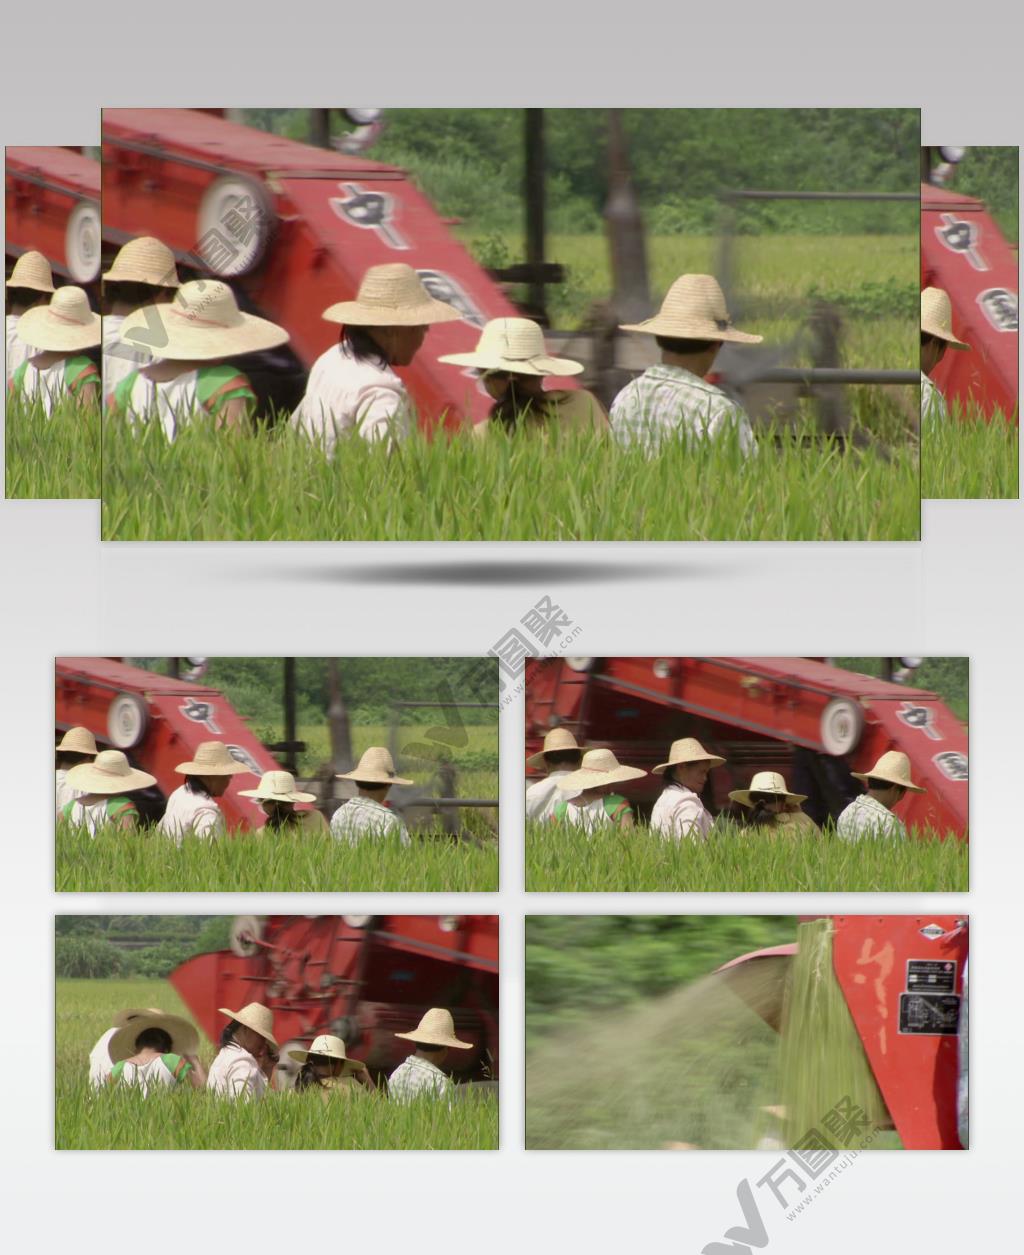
[159,722]
[963,251]
[293,228]
[902,979]
[361,977]
[813,722]
[53,206]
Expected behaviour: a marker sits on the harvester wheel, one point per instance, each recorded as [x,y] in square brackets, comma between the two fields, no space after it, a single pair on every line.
[127,720]
[82,242]
[233,202]
[246,931]
[842,722]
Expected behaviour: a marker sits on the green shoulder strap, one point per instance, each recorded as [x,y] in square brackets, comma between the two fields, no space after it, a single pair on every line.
[79,371]
[615,805]
[117,806]
[561,809]
[123,392]
[177,1066]
[116,1073]
[211,379]
[66,809]
[18,378]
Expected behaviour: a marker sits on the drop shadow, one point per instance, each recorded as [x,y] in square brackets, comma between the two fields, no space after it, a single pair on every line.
[493,574]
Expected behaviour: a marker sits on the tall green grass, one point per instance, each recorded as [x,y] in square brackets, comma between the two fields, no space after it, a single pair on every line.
[969,457]
[561,858]
[187,1119]
[55,457]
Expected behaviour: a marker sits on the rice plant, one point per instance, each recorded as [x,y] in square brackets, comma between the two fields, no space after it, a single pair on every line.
[51,457]
[970,457]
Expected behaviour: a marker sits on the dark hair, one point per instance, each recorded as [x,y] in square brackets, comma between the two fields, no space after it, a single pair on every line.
[362,346]
[156,1039]
[280,818]
[513,406]
[926,338]
[307,1075]
[68,758]
[874,783]
[766,797]
[227,1033]
[675,344]
[27,296]
[194,784]
[559,758]
[136,294]
[760,814]
[428,1048]
[373,785]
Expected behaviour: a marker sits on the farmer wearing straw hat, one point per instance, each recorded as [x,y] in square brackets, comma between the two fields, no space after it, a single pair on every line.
[143,274]
[589,805]
[328,1068]
[278,796]
[353,387]
[870,815]
[57,365]
[77,745]
[197,336]
[365,817]
[421,1072]
[512,363]
[679,811]
[560,755]
[936,336]
[773,807]
[103,787]
[237,1071]
[192,808]
[673,399]
[30,284]
[100,1061]
[156,1049]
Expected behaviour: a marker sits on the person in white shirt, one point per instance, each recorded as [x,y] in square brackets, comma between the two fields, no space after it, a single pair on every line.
[239,1070]
[365,817]
[100,1061]
[30,284]
[104,791]
[936,337]
[156,1050]
[353,388]
[76,746]
[192,808]
[560,755]
[421,1072]
[679,812]
[871,815]
[144,273]
[586,801]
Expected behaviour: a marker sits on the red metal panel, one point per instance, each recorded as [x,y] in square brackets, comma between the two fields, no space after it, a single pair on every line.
[963,252]
[42,186]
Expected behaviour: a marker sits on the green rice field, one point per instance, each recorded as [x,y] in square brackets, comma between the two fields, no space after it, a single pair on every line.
[970,457]
[56,457]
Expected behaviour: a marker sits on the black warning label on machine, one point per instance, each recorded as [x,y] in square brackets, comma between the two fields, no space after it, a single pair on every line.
[936,976]
[936,1015]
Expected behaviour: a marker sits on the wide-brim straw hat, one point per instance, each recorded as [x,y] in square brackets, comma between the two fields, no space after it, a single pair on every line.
[202,323]
[109,772]
[694,309]
[77,741]
[558,740]
[598,768]
[184,1038]
[893,767]
[132,1013]
[688,750]
[515,345]
[436,1028]
[376,766]
[937,317]
[66,325]
[213,759]
[144,260]
[766,782]
[278,786]
[391,295]
[330,1047]
[32,270]
[256,1016]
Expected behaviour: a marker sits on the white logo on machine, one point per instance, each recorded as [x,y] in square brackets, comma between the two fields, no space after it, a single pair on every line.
[1000,307]
[443,287]
[920,717]
[373,211]
[242,755]
[200,712]
[952,764]
[961,236]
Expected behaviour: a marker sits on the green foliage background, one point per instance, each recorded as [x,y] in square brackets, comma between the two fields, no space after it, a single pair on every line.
[949,677]
[86,946]
[993,175]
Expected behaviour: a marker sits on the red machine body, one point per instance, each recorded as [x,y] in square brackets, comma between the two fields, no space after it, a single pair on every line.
[329,217]
[902,978]
[963,252]
[43,188]
[758,713]
[160,722]
[362,978]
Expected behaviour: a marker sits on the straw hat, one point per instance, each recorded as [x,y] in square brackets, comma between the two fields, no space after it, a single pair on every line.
[144,260]
[557,740]
[893,767]
[184,1038]
[937,317]
[766,782]
[376,766]
[203,322]
[32,270]
[599,767]
[65,325]
[325,1044]
[77,741]
[278,786]
[256,1016]
[688,750]
[436,1028]
[132,1013]
[213,759]
[391,295]
[693,309]
[109,772]
[516,345]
